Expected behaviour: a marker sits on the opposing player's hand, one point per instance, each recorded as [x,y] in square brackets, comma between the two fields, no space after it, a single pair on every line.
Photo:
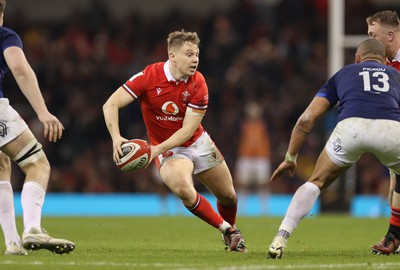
[53,128]
[284,167]
[117,151]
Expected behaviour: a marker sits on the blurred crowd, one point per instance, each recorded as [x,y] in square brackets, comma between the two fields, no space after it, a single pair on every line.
[273,54]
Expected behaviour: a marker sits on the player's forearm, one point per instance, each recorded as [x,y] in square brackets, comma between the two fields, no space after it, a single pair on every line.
[189,126]
[306,122]
[177,139]
[299,134]
[296,141]
[29,86]
[111,118]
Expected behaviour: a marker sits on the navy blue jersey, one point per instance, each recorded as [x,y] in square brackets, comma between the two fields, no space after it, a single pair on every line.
[367,90]
[8,38]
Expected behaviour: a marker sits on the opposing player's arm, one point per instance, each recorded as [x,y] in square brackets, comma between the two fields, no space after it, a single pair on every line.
[318,107]
[25,77]
[27,82]
[304,125]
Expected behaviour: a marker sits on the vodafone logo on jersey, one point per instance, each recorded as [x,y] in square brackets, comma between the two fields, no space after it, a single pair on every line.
[170,108]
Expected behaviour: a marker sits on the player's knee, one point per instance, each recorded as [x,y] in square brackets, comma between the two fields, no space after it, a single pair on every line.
[319,183]
[5,165]
[38,170]
[4,161]
[228,200]
[184,193]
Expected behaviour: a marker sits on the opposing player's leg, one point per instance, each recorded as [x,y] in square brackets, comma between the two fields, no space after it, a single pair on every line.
[29,155]
[389,244]
[324,174]
[7,213]
[219,181]
[301,204]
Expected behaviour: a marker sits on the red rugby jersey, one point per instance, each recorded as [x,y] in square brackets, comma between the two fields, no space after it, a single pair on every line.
[163,101]
[395,64]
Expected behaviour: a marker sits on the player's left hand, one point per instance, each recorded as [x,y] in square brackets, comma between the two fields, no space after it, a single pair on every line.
[284,167]
[155,152]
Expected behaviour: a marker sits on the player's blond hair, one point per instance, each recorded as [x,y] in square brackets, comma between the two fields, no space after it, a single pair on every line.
[387,18]
[176,39]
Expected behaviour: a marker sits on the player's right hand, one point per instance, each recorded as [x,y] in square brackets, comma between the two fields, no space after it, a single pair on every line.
[283,167]
[53,128]
[117,151]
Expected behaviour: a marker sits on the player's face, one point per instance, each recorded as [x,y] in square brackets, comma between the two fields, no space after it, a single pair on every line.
[379,32]
[186,59]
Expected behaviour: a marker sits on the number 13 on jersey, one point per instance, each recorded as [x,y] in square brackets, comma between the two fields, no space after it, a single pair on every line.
[382,77]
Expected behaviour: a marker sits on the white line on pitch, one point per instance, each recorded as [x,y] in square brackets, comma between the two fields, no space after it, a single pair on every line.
[178,266]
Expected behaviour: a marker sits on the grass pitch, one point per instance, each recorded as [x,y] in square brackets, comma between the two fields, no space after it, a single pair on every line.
[187,243]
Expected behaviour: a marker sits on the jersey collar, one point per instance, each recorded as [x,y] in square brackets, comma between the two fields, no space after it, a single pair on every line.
[169,76]
[397,57]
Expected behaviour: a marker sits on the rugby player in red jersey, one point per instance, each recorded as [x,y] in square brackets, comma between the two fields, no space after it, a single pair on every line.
[173,98]
[385,27]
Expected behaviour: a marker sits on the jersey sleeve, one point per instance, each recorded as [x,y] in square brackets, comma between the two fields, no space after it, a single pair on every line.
[136,84]
[328,91]
[9,39]
[199,102]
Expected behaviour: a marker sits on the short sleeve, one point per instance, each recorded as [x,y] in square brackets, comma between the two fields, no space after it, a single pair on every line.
[134,85]
[200,97]
[9,39]
[328,91]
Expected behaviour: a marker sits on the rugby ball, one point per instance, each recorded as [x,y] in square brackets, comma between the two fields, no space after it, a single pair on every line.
[135,155]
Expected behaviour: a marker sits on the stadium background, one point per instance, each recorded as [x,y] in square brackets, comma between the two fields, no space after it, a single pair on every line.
[272,51]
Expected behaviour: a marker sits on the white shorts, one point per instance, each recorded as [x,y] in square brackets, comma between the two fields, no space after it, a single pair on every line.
[250,170]
[11,123]
[354,136]
[203,152]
